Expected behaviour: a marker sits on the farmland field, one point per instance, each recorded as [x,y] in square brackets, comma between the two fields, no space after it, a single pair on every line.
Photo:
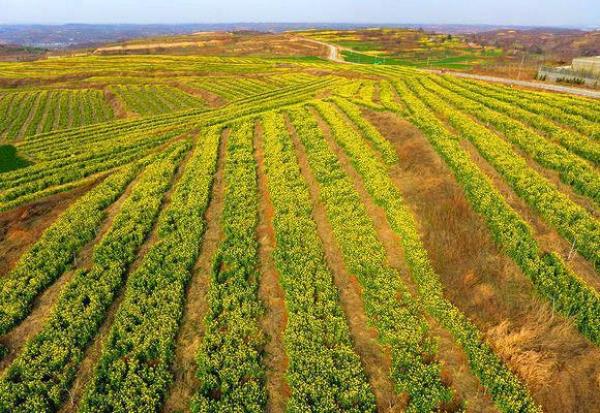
[407,47]
[287,234]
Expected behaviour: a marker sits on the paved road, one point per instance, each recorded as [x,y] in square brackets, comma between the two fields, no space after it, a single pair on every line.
[536,85]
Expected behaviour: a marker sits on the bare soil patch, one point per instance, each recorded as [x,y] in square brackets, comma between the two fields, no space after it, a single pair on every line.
[212,99]
[22,226]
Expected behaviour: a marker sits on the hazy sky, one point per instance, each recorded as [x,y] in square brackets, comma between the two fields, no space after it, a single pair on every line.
[524,12]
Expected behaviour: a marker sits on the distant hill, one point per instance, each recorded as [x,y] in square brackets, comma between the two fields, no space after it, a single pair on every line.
[237,43]
[64,36]
[18,53]
[76,35]
[556,44]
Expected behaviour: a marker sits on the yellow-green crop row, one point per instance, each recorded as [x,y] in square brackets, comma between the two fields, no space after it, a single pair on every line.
[325,373]
[507,391]
[230,366]
[388,303]
[133,371]
[40,377]
[569,294]
[553,156]
[571,220]
[381,144]
[155,99]
[52,254]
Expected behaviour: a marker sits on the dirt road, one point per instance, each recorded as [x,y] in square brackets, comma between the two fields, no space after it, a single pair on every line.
[334,54]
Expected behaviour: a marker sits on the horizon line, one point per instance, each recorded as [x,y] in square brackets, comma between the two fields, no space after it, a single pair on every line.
[376,24]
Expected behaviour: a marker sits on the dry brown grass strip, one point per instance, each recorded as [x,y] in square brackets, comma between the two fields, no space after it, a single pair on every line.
[561,368]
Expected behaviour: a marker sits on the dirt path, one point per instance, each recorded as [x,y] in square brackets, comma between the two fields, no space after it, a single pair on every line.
[271,293]
[524,83]
[191,330]
[559,366]
[334,54]
[118,106]
[455,367]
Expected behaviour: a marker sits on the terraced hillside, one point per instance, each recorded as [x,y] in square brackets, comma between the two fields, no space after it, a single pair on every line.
[214,234]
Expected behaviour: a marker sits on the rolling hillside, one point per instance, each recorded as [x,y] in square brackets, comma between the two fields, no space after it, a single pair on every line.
[248,234]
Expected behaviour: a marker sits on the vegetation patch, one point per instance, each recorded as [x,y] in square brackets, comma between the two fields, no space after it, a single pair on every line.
[10,160]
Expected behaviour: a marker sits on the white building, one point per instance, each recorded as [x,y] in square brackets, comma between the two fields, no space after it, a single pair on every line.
[589,65]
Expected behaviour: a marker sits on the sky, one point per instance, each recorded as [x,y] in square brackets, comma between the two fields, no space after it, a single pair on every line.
[584,13]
